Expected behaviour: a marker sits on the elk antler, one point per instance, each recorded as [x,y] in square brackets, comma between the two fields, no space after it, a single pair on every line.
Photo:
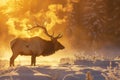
[45,30]
[59,36]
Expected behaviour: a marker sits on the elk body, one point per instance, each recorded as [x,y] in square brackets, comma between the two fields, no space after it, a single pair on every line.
[34,47]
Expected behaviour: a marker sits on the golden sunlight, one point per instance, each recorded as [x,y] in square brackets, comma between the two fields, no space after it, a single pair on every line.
[20,16]
[3,2]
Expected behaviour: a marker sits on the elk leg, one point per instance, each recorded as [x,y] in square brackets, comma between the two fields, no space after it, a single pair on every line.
[12,60]
[33,60]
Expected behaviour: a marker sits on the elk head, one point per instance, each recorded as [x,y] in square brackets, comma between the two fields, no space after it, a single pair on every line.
[57,44]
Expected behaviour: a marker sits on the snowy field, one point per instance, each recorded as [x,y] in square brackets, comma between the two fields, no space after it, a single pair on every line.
[79,70]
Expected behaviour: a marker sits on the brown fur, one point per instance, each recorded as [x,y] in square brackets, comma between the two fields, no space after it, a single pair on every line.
[33,47]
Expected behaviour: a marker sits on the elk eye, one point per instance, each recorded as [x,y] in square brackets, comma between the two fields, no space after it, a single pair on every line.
[27,46]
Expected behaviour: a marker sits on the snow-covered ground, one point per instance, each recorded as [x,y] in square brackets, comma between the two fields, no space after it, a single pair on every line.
[80,70]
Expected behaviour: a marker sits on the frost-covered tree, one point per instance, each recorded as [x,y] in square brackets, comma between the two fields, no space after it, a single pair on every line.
[93,24]
[94,20]
[113,27]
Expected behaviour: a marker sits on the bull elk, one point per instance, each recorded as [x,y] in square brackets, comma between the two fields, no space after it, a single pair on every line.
[35,46]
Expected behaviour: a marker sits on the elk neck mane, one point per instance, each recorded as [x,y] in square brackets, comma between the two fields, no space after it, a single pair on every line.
[49,49]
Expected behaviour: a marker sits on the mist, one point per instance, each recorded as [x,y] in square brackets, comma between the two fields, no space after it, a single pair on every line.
[89,26]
